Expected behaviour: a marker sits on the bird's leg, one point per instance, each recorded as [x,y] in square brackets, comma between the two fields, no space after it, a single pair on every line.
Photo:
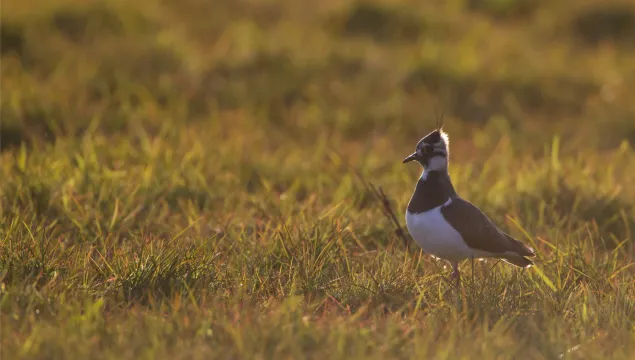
[454,277]
[455,273]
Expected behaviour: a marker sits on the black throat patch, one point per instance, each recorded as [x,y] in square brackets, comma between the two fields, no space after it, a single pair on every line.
[431,192]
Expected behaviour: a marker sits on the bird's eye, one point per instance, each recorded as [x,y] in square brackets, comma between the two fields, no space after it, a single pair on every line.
[427,149]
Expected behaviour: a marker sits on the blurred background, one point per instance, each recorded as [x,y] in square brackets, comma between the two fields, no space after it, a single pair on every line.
[347,69]
[171,169]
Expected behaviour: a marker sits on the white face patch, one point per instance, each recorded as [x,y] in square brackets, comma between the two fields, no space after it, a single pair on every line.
[439,147]
[437,163]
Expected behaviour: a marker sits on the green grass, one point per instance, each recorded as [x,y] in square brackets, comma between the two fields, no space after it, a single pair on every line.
[190,179]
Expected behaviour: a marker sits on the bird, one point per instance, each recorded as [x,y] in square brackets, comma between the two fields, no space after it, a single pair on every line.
[447,226]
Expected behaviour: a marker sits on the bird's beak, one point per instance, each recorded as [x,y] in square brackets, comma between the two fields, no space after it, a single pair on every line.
[410,158]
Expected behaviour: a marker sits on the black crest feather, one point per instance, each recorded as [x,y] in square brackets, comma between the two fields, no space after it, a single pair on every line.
[440,121]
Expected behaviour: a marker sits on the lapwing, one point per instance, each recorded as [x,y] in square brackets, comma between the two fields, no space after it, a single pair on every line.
[445,225]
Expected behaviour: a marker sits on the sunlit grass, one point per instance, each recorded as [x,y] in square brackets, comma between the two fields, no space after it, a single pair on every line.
[179,182]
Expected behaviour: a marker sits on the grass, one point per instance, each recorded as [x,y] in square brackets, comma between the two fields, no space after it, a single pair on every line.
[188,180]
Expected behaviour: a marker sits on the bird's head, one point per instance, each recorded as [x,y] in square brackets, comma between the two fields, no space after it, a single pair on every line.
[432,151]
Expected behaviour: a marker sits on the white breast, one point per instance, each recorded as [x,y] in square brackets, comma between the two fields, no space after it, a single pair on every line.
[436,236]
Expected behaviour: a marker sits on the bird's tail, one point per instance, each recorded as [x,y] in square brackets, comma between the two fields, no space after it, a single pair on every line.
[523,251]
[521,248]
[520,261]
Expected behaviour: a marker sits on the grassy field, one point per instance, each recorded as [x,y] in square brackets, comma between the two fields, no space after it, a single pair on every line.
[189,179]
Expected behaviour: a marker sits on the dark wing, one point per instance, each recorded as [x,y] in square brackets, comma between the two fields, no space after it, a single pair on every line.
[479,232]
